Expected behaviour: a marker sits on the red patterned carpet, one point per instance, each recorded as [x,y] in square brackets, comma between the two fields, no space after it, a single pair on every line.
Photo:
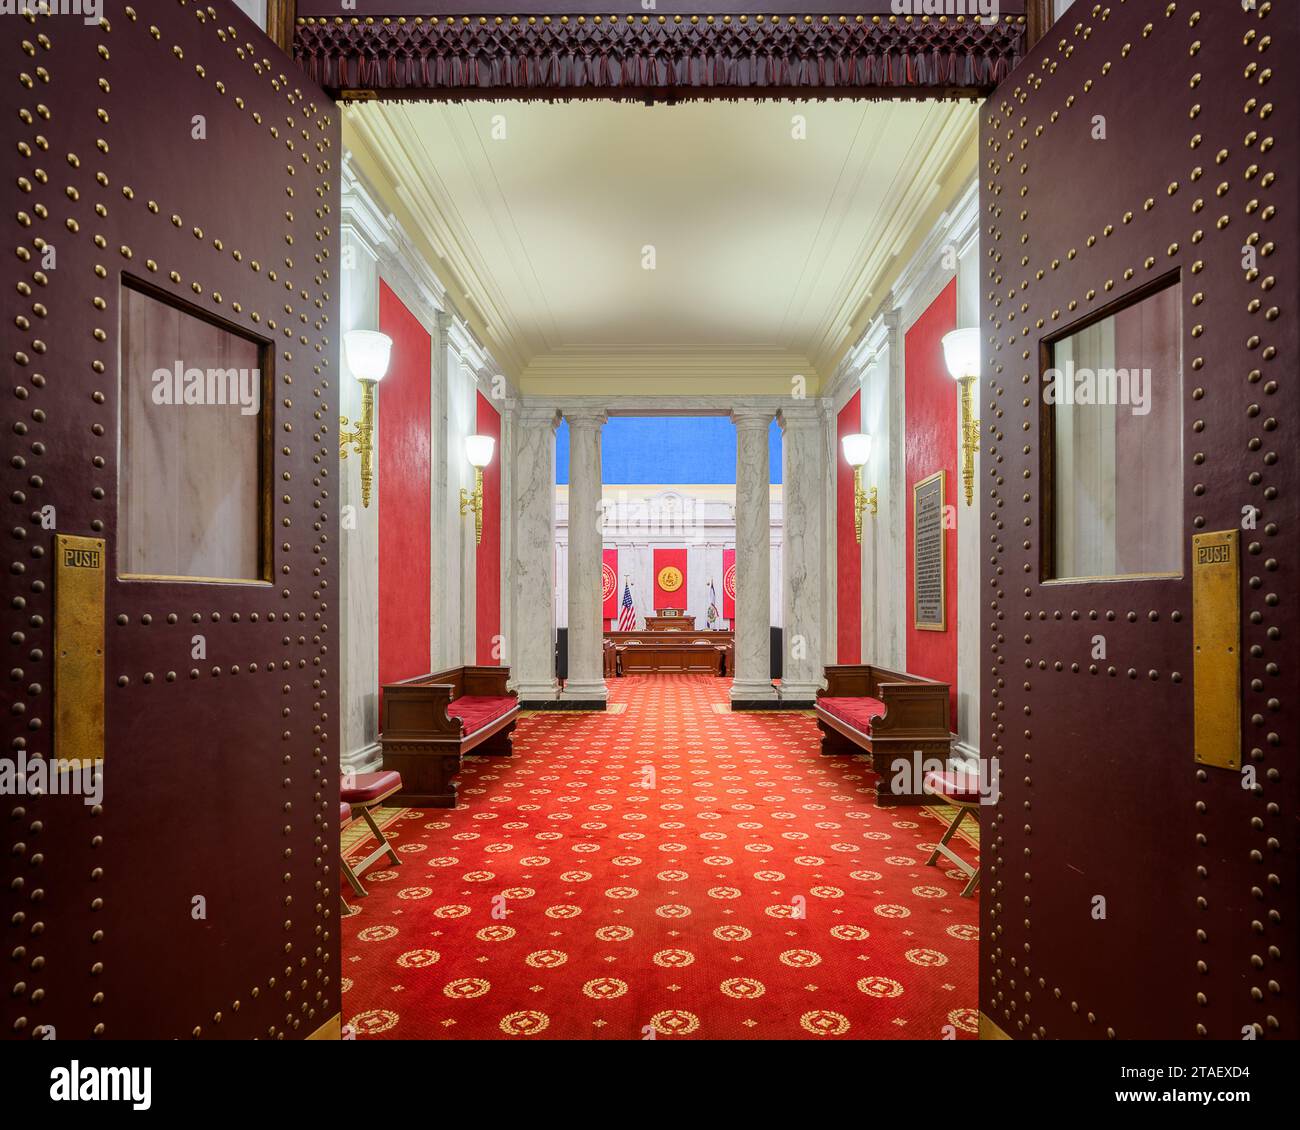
[670,872]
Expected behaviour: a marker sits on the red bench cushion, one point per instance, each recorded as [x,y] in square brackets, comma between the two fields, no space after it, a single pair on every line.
[476,711]
[857,712]
[371,786]
[956,784]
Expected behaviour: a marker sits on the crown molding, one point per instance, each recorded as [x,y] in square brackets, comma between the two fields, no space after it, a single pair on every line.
[662,405]
[404,267]
[664,370]
[941,153]
[921,280]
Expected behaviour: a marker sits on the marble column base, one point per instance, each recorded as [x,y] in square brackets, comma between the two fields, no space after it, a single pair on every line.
[754,696]
[583,696]
[798,696]
[537,696]
[364,760]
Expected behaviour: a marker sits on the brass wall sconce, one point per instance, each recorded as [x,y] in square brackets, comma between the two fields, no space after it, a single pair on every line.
[857,451]
[368,354]
[478,449]
[961,353]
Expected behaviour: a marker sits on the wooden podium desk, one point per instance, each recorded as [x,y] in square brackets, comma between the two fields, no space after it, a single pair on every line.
[664,653]
[671,659]
[670,623]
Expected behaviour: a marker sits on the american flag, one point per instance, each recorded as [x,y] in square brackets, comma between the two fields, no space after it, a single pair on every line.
[627,613]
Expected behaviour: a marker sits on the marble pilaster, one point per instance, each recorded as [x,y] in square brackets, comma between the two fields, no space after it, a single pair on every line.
[753,682]
[358,527]
[532,549]
[585,685]
[804,459]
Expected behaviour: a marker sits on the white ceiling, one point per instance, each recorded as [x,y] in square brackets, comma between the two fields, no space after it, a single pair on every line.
[767,248]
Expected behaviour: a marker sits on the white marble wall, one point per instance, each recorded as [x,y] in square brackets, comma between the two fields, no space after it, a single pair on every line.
[254,9]
[884,537]
[585,681]
[359,526]
[969,673]
[876,366]
[635,526]
[509,408]
[753,557]
[704,564]
[805,457]
[375,245]
[532,564]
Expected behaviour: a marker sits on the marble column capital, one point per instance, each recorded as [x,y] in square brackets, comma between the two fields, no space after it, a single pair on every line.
[585,417]
[533,417]
[804,414]
[746,416]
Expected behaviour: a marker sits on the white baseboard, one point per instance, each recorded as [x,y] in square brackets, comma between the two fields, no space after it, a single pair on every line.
[968,753]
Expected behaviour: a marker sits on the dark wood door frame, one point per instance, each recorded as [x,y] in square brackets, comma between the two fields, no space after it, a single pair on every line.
[1038,20]
[281,16]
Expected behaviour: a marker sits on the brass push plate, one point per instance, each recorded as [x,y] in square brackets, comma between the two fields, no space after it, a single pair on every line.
[1216,638]
[80,565]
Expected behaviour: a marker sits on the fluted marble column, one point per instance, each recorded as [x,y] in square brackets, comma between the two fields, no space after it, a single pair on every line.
[753,682]
[585,686]
[805,460]
[532,556]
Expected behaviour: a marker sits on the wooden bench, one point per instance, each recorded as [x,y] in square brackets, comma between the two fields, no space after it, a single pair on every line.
[431,722]
[889,715]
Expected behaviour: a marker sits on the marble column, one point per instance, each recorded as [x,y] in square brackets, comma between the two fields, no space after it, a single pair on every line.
[804,463]
[585,686]
[532,547]
[752,685]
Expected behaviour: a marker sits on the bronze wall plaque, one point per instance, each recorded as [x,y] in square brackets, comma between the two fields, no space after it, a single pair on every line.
[79,649]
[929,554]
[1216,638]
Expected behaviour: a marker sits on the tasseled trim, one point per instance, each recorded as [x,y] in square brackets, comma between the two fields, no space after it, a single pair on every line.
[447,58]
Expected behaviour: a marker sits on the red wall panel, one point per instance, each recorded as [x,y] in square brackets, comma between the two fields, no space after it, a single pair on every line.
[609,582]
[487,591]
[404,495]
[931,396]
[663,558]
[848,553]
[729,586]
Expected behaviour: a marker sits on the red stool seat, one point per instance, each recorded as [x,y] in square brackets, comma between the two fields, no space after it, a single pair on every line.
[367,791]
[961,789]
[369,787]
[958,786]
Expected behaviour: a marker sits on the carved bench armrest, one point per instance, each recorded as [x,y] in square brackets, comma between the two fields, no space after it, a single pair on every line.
[419,711]
[914,708]
[487,681]
[847,680]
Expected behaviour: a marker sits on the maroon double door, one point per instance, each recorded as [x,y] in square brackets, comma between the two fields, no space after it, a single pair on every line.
[168,151]
[1141,861]
[1138,882]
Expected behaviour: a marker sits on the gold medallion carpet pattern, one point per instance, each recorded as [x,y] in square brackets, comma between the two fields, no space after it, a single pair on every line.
[667,872]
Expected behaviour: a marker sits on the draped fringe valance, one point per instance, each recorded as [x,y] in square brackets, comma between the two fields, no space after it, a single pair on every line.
[558,59]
